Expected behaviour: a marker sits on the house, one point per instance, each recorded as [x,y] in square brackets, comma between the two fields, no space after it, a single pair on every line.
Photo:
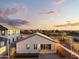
[10,32]
[3,41]
[36,43]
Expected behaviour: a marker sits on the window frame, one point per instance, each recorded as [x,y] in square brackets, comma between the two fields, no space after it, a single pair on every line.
[35,46]
[27,46]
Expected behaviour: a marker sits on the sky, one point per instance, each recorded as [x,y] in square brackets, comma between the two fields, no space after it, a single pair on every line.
[38,14]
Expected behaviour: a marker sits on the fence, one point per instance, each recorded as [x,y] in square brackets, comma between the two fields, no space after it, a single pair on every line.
[67,52]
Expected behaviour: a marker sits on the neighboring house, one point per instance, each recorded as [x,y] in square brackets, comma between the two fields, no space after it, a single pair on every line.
[3,41]
[10,32]
[36,43]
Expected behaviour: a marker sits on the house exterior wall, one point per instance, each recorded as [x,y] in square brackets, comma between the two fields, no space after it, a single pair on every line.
[11,34]
[21,46]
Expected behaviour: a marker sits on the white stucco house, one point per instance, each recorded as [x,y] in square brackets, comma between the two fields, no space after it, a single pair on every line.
[10,32]
[36,43]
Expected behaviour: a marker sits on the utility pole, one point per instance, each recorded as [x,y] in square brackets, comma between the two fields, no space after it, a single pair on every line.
[71,44]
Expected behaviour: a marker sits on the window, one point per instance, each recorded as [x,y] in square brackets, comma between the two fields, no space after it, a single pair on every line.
[9,41]
[35,46]
[13,33]
[42,46]
[9,32]
[0,32]
[46,46]
[3,32]
[17,38]
[13,40]
[28,46]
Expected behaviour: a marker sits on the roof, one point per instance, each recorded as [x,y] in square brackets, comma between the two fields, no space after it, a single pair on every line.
[2,28]
[41,35]
[8,26]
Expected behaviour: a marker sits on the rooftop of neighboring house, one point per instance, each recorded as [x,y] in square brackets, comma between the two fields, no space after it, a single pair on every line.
[2,28]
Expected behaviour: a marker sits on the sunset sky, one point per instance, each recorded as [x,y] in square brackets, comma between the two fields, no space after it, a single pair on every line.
[40,14]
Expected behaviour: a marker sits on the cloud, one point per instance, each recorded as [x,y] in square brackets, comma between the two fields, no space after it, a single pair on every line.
[16,11]
[47,12]
[14,15]
[14,22]
[54,13]
[18,22]
[1,13]
[20,12]
[57,2]
[8,11]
